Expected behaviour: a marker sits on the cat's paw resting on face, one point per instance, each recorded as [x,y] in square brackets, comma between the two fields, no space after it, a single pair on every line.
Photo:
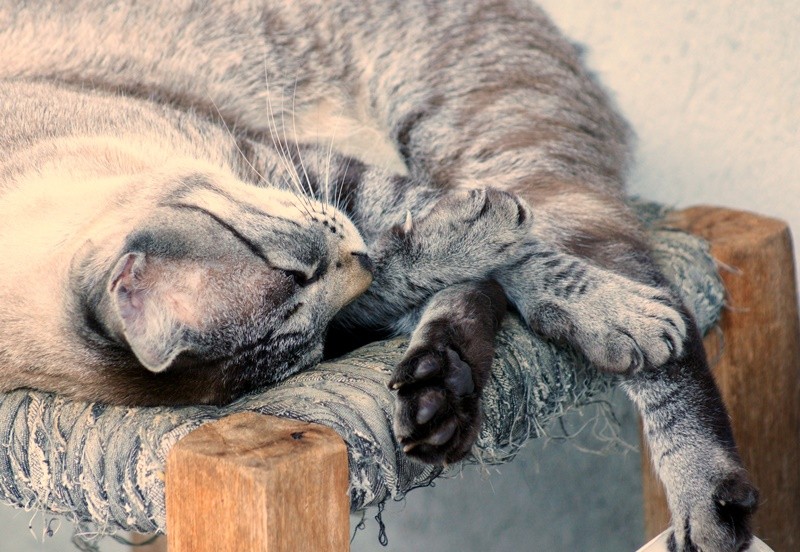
[438,382]
[471,232]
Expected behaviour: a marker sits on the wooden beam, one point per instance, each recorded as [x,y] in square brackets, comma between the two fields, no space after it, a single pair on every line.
[756,363]
[258,483]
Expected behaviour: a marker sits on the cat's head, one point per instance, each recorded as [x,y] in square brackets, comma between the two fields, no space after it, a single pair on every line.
[198,274]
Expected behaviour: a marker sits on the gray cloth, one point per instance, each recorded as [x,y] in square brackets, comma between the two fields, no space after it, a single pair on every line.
[103,467]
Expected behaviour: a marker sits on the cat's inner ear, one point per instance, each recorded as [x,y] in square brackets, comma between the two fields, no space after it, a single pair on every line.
[153,318]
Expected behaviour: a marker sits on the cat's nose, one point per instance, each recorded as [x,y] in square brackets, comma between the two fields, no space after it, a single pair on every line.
[365,262]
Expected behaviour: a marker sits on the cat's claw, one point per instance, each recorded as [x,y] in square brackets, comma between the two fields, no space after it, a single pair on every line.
[437,412]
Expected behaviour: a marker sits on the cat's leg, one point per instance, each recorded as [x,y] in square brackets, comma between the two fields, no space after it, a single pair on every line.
[441,376]
[643,332]
[620,324]
[691,445]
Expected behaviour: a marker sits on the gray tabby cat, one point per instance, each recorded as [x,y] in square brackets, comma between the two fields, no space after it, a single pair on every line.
[175,226]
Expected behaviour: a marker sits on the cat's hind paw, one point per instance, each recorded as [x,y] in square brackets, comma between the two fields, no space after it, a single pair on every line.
[439,380]
[437,410]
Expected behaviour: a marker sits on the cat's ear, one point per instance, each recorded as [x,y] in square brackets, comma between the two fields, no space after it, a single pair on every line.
[149,321]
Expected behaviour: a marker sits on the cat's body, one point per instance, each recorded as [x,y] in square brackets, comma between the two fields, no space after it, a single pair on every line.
[166,151]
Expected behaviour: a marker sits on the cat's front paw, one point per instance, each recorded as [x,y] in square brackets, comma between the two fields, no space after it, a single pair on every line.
[633,326]
[437,409]
[718,521]
[620,325]
[498,208]
[478,227]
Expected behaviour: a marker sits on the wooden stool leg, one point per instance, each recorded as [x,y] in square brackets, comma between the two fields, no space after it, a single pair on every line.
[258,483]
[758,366]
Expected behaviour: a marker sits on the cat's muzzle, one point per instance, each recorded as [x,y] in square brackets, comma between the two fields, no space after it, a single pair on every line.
[365,262]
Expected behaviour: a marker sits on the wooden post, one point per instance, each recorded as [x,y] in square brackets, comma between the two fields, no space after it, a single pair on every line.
[757,365]
[258,483]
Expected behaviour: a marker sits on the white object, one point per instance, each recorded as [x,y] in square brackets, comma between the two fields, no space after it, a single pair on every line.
[659,544]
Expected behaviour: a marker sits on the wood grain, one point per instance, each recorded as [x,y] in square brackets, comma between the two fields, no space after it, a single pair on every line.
[757,365]
[258,483]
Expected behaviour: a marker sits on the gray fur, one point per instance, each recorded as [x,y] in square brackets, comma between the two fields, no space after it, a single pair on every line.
[202,233]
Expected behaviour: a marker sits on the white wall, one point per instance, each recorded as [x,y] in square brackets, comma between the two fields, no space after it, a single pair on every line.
[712,89]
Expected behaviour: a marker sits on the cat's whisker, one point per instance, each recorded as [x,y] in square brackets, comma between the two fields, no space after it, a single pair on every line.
[341,200]
[338,184]
[327,172]
[291,174]
[328,160]
[232,134]
[294,130]
[304,184]
[236,143]
[283,155]
[278,144]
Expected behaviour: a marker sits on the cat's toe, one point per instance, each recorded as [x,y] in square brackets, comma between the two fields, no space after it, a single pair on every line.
[491,223]
[437,410]
[477,204]
[617,352]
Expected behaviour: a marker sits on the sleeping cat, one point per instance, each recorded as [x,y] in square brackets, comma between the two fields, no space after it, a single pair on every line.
[182,219]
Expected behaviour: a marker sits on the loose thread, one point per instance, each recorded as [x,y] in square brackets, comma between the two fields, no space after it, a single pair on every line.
[382,537]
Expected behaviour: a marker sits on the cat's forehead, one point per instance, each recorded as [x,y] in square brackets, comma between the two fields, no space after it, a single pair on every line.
[281,214]
[224,194]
